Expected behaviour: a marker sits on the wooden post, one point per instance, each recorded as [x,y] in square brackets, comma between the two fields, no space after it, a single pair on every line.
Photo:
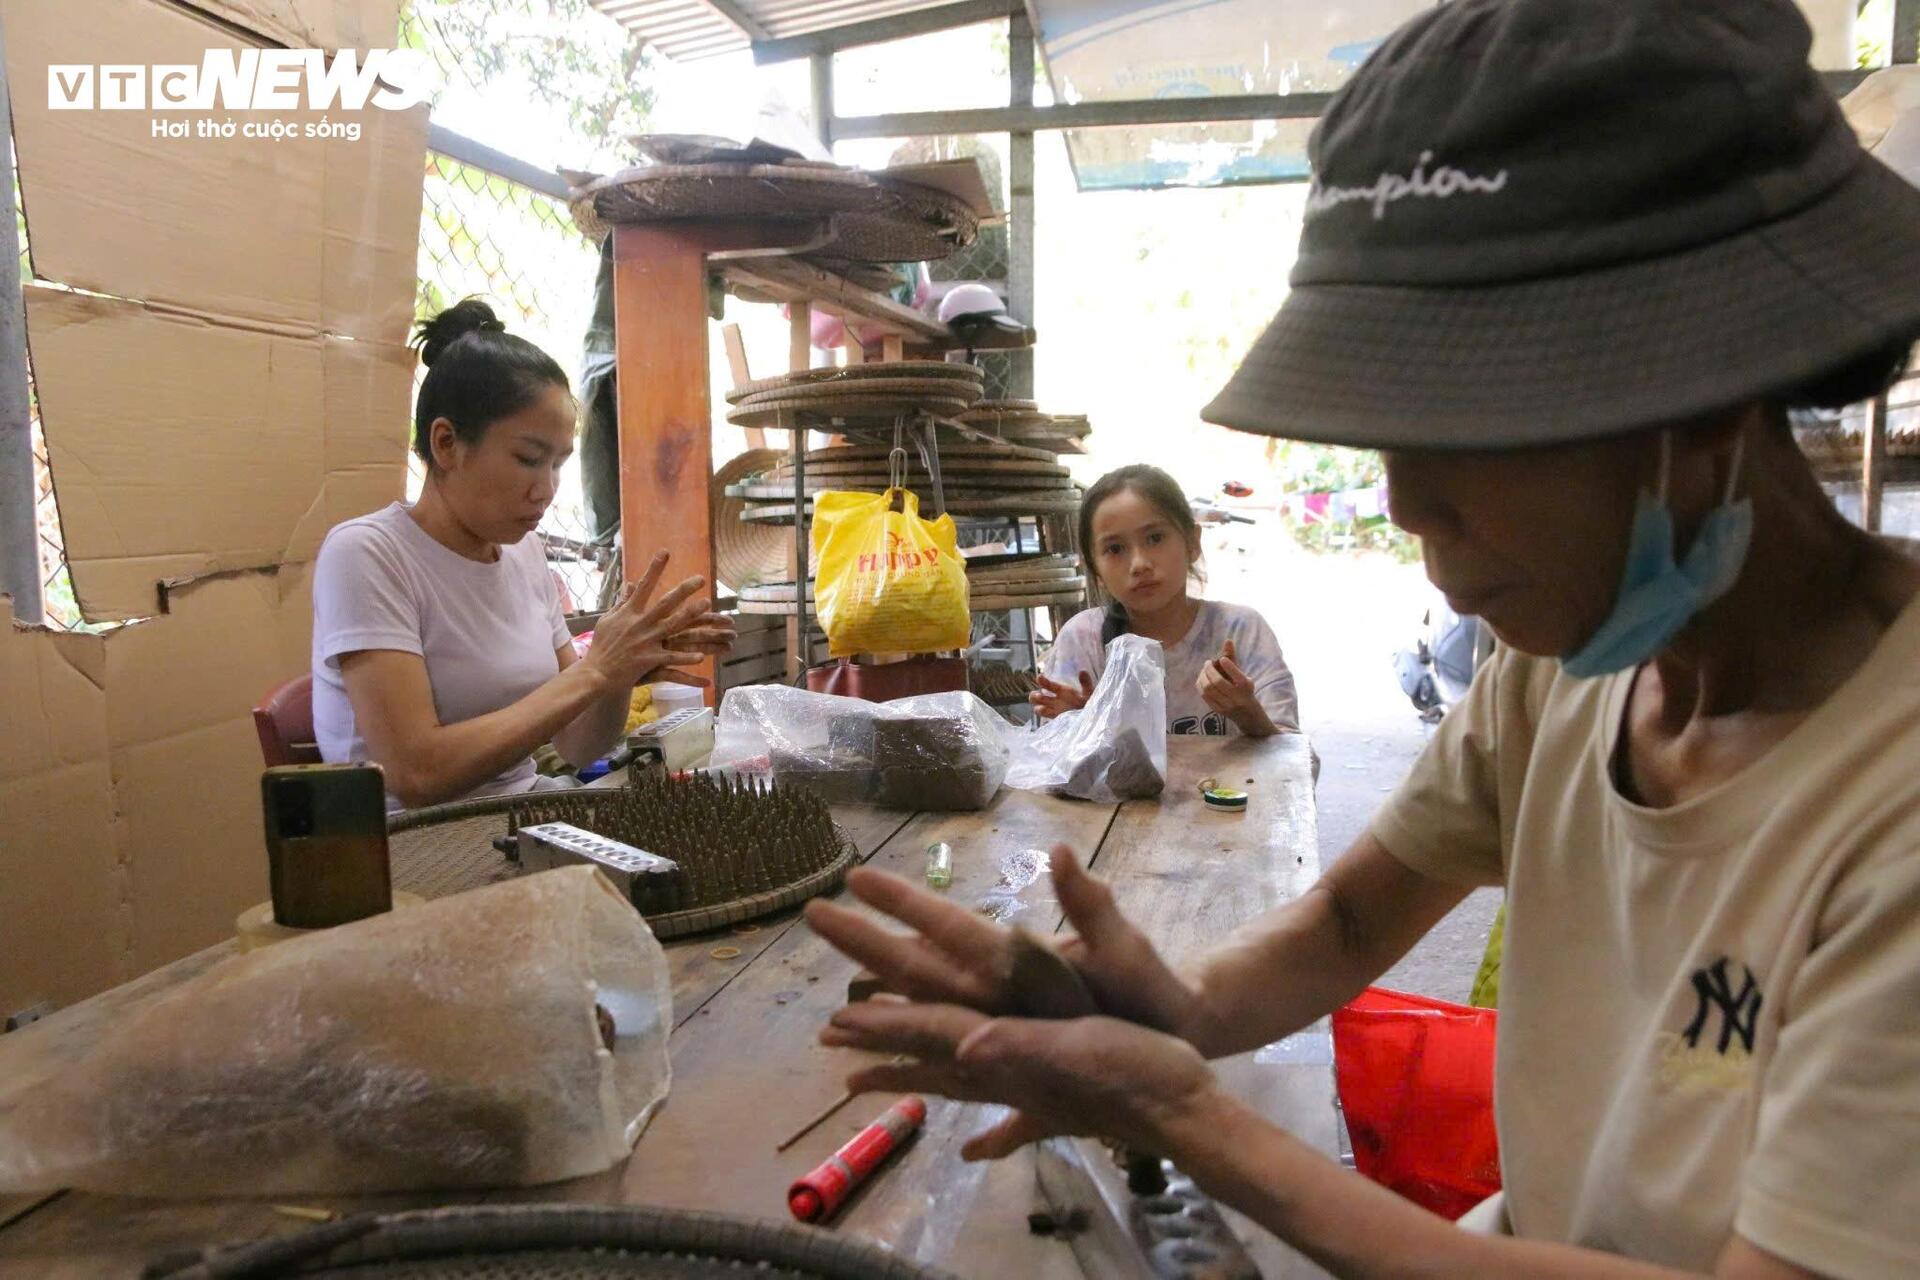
[742,375]
[666,409]
[666,416]
[1020,189]
[799,357]
[799,337]
[1873,463]
[802,569]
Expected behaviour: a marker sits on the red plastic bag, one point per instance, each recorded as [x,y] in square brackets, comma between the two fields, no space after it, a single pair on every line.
[1416,1084]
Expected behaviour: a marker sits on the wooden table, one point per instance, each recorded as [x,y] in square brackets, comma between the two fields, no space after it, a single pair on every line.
[747,1070]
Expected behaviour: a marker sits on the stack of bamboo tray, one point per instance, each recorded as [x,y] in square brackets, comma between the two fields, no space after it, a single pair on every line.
[994,584]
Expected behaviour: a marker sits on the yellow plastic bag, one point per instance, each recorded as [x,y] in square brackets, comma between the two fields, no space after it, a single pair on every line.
[887,581]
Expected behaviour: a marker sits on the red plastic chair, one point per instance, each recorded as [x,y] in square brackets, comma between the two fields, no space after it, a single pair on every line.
[284,721]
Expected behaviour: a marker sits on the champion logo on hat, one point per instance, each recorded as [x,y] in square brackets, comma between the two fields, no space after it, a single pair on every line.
[1442,184]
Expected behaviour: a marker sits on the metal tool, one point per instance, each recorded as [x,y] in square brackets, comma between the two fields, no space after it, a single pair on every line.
[1140,1207]
[678,740]
[561,844]
[1175,1234]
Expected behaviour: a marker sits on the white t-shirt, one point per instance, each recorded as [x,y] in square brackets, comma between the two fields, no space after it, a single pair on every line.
[488,632]
[1257,652]
[1710,1012]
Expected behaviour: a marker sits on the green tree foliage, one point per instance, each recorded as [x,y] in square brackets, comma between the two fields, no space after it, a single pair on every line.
[568,53]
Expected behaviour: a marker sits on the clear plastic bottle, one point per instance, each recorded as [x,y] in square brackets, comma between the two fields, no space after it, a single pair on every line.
[939,865]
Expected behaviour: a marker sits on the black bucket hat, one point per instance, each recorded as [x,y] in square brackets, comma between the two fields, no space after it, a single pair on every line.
[1536,222]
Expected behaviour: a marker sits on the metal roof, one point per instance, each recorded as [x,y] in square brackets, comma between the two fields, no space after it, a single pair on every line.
[689,29]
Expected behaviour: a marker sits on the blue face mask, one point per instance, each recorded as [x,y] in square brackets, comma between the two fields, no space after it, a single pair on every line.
[1658,596]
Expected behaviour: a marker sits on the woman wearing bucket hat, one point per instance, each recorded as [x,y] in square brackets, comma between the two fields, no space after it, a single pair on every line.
[1568,264]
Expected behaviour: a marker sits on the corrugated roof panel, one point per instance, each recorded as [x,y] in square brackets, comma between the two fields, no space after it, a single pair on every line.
[678,28]
[688,29]
[797,17]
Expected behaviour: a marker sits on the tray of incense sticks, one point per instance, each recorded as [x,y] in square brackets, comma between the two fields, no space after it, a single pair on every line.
[745,848]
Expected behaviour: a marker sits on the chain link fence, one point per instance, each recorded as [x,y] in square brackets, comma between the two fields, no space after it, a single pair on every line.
[56,583]
[482,235]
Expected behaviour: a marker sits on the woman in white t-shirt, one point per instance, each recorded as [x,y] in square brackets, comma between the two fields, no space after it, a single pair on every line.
[1225,674]
[1569,266]
[439,649]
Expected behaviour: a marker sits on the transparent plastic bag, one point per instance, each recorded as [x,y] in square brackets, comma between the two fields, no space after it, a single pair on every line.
[938,751]
[1115,747]
[457,1044]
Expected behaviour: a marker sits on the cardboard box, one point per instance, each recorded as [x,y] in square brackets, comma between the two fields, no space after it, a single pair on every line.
[307,233]
[217,345]
[312,24]
[250,355]
[130,829]
[183,446]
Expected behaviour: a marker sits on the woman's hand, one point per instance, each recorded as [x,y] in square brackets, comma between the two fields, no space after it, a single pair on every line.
[1082,1076]
[711,634]
[635,642]
[954,956]
[1053,697]
[1227,689]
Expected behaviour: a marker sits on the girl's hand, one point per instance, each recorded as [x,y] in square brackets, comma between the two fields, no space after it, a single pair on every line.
[955,956]
[1053,698]
[1227,689]
[1081,1076]
[635,642]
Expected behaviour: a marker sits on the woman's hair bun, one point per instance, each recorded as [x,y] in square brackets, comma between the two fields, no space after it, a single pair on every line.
[436,333]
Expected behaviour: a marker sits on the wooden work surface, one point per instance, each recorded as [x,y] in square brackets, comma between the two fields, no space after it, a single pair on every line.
[747,1070]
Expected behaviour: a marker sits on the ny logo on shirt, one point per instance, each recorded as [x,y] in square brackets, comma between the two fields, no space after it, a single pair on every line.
[1739,1011]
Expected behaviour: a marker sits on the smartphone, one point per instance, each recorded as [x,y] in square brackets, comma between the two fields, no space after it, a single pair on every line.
[326,843]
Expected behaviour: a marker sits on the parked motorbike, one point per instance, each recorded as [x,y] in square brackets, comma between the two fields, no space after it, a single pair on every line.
[1436,671]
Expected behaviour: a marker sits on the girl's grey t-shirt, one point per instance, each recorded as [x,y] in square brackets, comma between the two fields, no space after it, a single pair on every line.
[1256,649]
[489,633]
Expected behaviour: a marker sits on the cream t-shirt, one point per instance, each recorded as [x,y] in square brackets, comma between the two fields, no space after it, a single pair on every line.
[1709,1013]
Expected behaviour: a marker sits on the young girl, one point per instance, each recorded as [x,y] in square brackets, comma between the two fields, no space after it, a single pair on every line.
[1225,674]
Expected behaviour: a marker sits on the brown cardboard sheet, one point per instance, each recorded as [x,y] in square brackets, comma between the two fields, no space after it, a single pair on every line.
[217,345]
[312,24]
[182,447]
[313,233]
[130,828]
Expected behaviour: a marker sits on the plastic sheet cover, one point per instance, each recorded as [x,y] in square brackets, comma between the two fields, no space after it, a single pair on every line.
[1115,747]
[458,1044]
[936,751]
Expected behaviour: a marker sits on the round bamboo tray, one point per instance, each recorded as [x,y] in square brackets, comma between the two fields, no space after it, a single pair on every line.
[781,472]
[899,222]
[958,451]
[861,375]
[862,408]
[963,503]
[447,849]
[1010,581]
[976,603]
[552,1242]
[745,554]
[772,490]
